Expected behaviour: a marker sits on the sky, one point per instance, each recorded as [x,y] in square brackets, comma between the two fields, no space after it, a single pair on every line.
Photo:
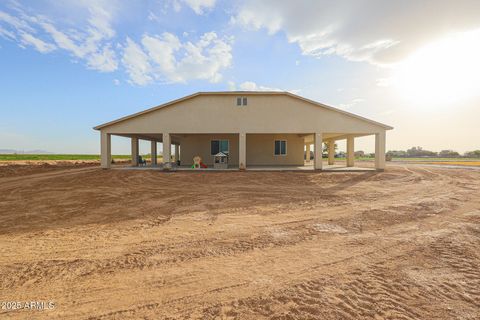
[66,66]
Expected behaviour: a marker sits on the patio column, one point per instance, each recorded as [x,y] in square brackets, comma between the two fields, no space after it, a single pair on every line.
[242,151]
[331,152]
[153,152]
[105,150]
[380,151]
[134,151]
[318,150]
[166,149]
[307,152]
[177,152]
[350,151]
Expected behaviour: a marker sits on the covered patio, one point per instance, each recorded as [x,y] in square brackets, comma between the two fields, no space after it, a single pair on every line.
[310,142]
[265,131]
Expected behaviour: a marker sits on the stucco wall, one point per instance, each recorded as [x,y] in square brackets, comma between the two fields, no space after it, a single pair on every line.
[199,145]
[263,114]
[261,149]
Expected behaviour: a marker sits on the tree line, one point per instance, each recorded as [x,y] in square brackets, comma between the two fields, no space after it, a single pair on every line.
[415,152]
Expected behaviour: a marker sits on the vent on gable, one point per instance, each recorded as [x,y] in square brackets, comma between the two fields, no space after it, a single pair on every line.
[241,101]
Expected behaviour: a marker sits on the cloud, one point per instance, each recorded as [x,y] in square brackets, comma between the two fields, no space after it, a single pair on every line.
[39,44]
[198,6]
[91,43]
[351,104]
[136,63]
[91,38]
[161,50]
[377,31]
[105,60]
[252,86]
[166,58]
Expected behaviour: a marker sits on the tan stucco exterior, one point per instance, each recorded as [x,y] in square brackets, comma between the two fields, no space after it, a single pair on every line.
[261,147]
[199,145]
[193,121]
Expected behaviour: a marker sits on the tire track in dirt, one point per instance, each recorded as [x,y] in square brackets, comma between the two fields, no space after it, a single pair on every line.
[379,289]
[390,259]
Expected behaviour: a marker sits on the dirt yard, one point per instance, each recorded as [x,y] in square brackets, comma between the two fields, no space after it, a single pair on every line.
[118,244]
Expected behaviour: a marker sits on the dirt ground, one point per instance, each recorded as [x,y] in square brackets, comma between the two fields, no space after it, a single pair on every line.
[120,244]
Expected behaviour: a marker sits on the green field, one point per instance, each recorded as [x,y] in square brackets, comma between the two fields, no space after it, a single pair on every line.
[21,157]
[435,159]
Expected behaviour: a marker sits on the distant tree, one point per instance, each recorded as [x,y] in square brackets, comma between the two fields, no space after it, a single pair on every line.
[419,152]
[397,153]
[325,149]
[473,154]
[359,154]
[341,154]
[448,154]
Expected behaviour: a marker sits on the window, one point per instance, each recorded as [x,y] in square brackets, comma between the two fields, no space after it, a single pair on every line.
[280,147]
[217,146]
[241,101]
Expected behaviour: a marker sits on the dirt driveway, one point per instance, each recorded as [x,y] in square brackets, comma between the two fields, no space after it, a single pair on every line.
[117,244]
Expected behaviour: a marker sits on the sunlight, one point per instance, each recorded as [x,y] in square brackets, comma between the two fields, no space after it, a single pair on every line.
[443,72]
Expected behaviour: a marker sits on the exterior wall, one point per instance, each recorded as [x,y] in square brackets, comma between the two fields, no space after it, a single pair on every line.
[261,149]
[199,145]
[265,113]
[266,116]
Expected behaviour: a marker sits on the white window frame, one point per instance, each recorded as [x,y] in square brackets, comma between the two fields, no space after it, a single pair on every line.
[286,148]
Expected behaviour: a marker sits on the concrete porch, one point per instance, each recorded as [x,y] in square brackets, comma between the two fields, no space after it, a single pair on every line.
[304,168]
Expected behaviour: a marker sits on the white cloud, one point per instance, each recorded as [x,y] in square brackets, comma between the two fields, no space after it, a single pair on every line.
[40,45]
[198,6]
[351,104]
[152,16]
[15,22]
[116,82]
[104,61]
[136,63]
[378,31]
[252,86]
[162,51]
[231,85]
[164,57]
[91,43]
[7,34]
[91,39]
[384,82]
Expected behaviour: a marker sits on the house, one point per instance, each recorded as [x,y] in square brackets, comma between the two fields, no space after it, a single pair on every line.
[252,128]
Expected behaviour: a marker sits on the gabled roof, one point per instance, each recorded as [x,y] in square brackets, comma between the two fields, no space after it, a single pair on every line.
[278,93]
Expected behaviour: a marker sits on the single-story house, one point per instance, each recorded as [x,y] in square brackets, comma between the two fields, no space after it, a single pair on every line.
[251,128]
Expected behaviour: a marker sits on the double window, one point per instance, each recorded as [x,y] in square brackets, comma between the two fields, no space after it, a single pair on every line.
[217,146]
[280,147]
[241,101]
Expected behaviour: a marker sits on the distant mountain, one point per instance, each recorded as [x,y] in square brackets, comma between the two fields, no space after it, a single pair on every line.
[12,151]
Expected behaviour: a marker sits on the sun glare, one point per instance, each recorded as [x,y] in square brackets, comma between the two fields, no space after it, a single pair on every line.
[443,72]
